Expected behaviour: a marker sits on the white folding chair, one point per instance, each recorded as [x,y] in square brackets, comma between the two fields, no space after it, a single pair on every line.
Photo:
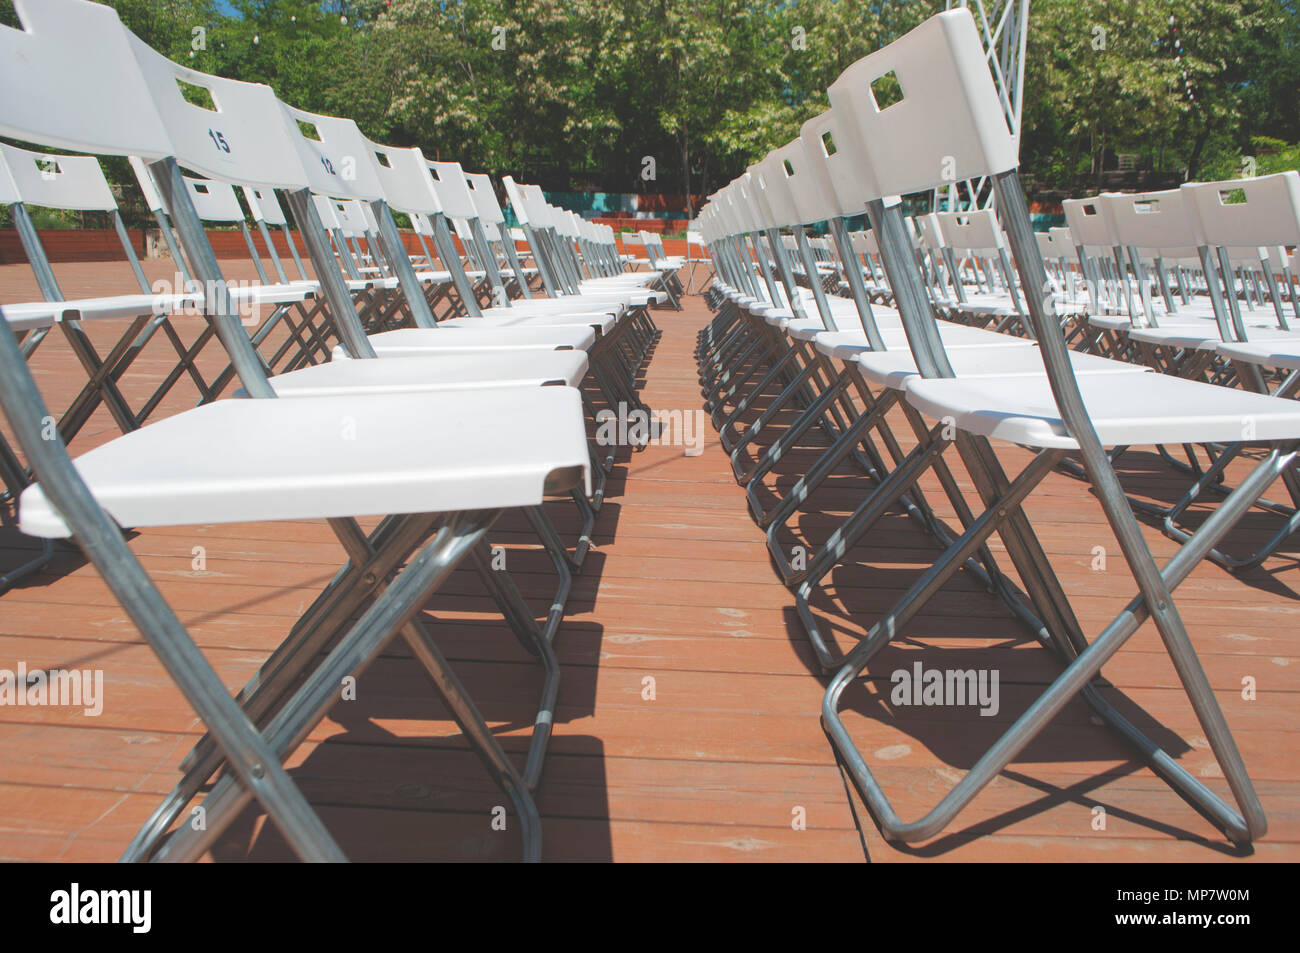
[880,374]
[950,110]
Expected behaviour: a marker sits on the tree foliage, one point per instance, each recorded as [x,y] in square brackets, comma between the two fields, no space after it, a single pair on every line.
[596,94]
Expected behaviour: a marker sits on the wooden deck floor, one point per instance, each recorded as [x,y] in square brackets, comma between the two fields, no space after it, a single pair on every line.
[727,755]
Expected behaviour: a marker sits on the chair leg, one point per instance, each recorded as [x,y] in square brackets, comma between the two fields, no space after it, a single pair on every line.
[1083,665]
[390,542]
[1212,476]
[534,639]
[392,612]
[867,514]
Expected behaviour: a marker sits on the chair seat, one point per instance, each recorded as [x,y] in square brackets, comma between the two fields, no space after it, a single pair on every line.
[30,315]
[805,329]
[405,341]
[641,298]
[1111,322]
[451,371]
[1203,336]
[846,345]
[504,318]
[1185,319]
[289,293]
[566,306]
[849,323]
[630,295]
[1277,352]
[980,303]
[368,284]
[1125,409]
[896,368]
[617,281]
[844,312]
[237,461]
[123,306]
[1199,336]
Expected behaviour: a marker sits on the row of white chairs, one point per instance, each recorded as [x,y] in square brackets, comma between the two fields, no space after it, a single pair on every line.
[964,261]
[77,181]
[855,368]
[1214,308]
[438,427]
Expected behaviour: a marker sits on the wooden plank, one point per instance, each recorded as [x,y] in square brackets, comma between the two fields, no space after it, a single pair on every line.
[679,588]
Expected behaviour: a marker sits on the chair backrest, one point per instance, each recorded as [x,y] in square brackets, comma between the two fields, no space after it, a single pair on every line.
[148,187]
[1247,212]
[1151,220]
[542,212]
[537,204]
[421,224]
[325,208]
[853,184]
[213,200]
[351,216]
[245,139]
[58,181]
[336,157]
[769,189]
[727,220]
[932,235]
[453,193]
[566,223]
[747,211]
[404,177]
[264,206]
[837,187]
[485,199]
[948,111]
[515,196]
[54,181]
[865,243]
[732,222]
[1089,225]
[81,87]
[525,202]
[803,161]
[974,231]
[461,227]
